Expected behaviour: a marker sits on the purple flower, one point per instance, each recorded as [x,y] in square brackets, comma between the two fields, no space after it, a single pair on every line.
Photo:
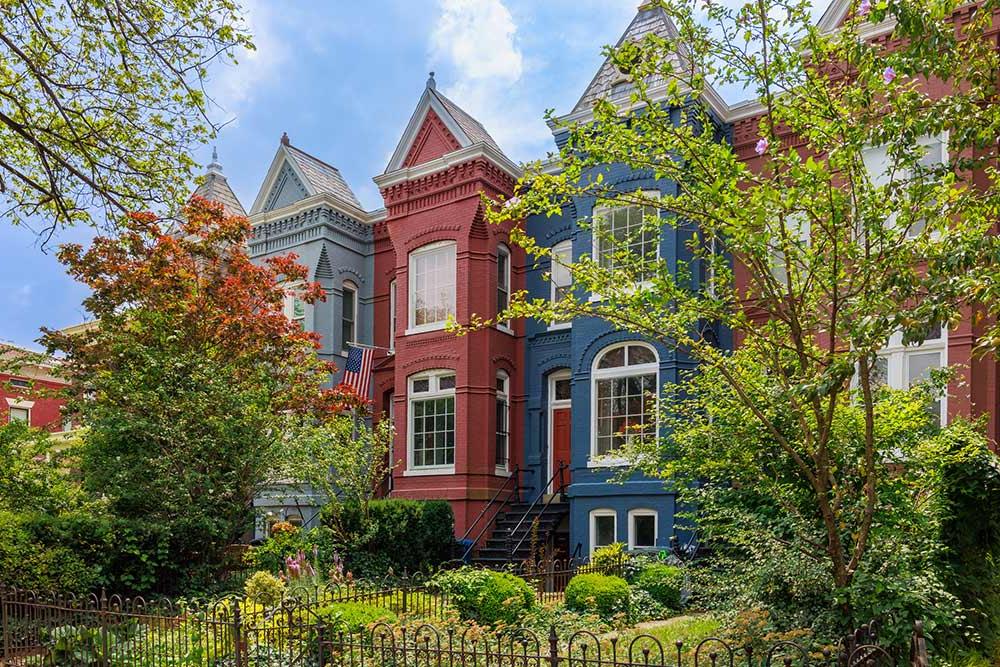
[889,75]
[762,145]
[865,7]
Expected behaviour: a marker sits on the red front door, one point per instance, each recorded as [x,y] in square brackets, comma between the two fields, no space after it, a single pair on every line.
[560,441]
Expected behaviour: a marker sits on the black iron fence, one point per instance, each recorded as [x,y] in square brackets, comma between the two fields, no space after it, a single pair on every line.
[307,630]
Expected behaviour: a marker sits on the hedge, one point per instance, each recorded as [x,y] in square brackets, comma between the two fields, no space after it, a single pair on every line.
[486,596]
[598,593]
[663,583]
[401,534]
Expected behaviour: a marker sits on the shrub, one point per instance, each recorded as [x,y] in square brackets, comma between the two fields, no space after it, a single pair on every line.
[264,588]
[355,616]
[663,583]
[610,559]
[486,596]
[271,555]
[599,593]
[374,543]
[282,527]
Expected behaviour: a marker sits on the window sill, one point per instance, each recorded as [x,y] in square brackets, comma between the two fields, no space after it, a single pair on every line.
[429,471]
[561,326]
[424,328]
[505,329]
[607,463]
[502,471]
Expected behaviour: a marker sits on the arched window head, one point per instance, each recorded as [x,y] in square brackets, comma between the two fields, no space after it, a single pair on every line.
[625,388]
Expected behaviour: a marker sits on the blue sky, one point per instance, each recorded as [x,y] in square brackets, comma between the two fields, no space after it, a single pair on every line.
[342,78]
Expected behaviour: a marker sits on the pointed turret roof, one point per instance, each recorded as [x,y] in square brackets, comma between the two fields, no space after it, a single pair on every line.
[216,188]
[649,19]
[312,175]
[465,129]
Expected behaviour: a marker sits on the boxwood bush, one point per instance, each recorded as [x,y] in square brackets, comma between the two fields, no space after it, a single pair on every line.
[355,616]
[598,593]
[663,583]
[486,596]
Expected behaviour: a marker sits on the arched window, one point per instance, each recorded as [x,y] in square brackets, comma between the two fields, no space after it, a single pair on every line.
[349,315]
[503,420]
[432,286]
[603,528]
[642,528]
[503,281]
[432,421]
[625,386]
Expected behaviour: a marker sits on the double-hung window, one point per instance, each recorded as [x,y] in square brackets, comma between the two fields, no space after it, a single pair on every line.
[902,366]
[625,387]
[559,274]
[20,415]
[348,323]
[392,316]
[295,308]
[432,286]
[432,421]
[882,171]
[623,236]
[503,282]
[503,420]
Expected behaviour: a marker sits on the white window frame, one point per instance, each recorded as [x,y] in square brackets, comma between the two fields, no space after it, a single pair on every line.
[594,514]
[876,161]
[561,248]
[553,405]
[392,316]
[596,374]
[412,282]
[800,230]
[643,511]
[434,392]
[898,366]
[348,286]
[601,213]
[503,394]
[289,306]
[19,408]
[504,251]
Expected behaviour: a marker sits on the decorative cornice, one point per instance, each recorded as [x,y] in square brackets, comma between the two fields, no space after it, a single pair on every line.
[444,162]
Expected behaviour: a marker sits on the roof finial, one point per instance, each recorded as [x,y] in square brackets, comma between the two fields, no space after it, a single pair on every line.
[430,82]
[215,167]
[284,139]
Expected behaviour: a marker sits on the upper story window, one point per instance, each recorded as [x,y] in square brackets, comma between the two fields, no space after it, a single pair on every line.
[798,231]
[432,420]
[20,415]
[19,383]
[503,420]
[392,316]
[625,380]
[432,285]
[559,274]
[622,229]
[881,170]
[900,366]
[295,308]
[503,281]
[349,312]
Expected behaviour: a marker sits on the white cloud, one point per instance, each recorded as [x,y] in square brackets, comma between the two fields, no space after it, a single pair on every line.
[233,86]
[22,295]
[477,43]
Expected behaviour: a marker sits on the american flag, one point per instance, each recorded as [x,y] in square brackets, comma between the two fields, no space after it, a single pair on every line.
[358,370]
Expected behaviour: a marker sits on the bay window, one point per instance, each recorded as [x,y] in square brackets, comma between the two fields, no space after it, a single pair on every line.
[623,229]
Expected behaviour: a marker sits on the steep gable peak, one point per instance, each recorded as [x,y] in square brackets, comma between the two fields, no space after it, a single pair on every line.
[295,174]
[216,188]
[437,126]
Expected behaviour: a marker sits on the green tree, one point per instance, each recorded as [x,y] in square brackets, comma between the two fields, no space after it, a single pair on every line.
[187,377]
[101,102]
[834,259]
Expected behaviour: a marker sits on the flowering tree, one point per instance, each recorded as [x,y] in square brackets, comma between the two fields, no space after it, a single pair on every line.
[189,372]
[842,232]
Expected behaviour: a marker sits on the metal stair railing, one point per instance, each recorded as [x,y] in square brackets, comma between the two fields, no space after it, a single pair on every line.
[560,473]
[515,494]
